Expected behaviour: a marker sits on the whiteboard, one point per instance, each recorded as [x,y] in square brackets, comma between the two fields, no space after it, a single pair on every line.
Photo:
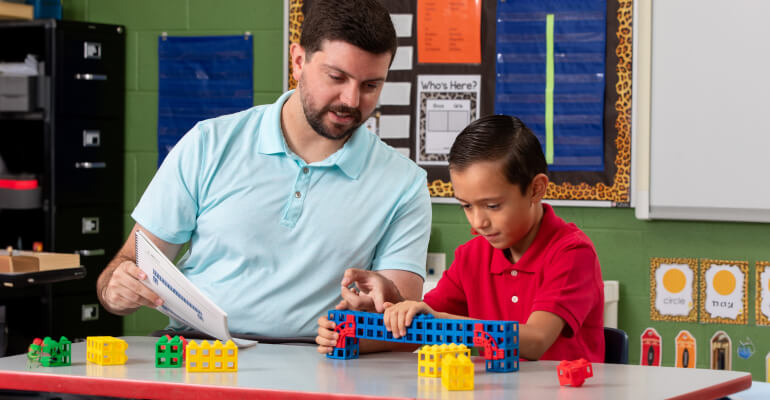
[710,110]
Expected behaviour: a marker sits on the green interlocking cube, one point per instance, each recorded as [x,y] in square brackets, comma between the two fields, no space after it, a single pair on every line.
[169,353]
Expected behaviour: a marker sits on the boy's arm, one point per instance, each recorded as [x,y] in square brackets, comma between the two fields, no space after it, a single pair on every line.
[539,333]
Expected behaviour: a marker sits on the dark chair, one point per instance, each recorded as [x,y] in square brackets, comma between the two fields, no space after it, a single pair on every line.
[615,346]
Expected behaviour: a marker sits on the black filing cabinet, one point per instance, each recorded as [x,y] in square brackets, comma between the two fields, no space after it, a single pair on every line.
[68,135]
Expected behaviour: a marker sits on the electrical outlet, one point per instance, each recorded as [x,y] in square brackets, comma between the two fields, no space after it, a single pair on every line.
[435,265]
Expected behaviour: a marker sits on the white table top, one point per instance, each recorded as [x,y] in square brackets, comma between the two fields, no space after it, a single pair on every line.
[299,371]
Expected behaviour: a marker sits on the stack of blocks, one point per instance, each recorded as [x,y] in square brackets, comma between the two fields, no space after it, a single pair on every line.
[51,353]
[169,353]
[457,372]
[452,363]
[106,350]
[500,339]
[211,358]
[429,361]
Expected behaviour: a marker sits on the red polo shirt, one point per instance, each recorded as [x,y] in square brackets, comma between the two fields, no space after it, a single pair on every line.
[558,273]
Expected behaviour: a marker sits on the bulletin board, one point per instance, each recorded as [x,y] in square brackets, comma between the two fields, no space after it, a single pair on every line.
[608,184]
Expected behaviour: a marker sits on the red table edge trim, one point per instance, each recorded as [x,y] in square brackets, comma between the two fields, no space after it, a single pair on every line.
[720,390]
[153,390]
[18,184]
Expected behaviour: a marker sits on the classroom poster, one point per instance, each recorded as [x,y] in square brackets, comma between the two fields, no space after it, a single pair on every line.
[721,351]
[746,348]
[449,32]
[651,348]
[673,289]
[686,350]
[724,292]
[763,292]
[446,104]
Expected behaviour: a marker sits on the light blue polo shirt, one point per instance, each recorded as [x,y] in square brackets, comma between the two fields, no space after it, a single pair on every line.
[271,235]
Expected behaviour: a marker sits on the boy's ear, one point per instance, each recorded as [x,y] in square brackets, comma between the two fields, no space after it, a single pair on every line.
[297,53]
[539,186]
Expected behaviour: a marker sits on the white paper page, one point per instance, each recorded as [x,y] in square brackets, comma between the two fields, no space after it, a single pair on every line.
[181,299]
[402,23]
[395,94]
[403,58]
[394,126]
[448,103]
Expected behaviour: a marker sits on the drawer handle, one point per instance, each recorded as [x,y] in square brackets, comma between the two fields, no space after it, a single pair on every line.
[91,77]
[88,253]
[90,165]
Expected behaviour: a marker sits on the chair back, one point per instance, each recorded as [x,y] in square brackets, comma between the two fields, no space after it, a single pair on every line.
[615,346]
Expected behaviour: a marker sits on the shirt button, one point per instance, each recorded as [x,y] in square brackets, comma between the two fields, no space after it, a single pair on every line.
[515,299]
[305,170]
[514,273]
[297,194]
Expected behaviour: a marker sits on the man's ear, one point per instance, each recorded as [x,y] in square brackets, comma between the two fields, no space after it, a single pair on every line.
[539,186]
[297,53]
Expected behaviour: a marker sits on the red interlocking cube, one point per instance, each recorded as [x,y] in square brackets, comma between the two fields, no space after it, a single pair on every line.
[574,373]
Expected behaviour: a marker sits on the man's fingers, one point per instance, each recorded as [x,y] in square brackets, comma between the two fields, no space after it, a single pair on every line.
[324,322]
[342,305]
[125,284]
[352,275]
[379,301]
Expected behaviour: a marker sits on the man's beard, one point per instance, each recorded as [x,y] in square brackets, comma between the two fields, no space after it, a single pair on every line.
[315,118]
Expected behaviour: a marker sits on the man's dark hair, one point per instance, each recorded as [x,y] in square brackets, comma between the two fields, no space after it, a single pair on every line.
[365,24]
[500,138]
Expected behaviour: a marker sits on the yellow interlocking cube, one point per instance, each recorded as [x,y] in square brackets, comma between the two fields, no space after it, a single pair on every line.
[106,350]
[206,357]
[457,372]
[429,358]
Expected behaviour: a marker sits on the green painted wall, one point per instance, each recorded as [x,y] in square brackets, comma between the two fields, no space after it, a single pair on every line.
[624,244]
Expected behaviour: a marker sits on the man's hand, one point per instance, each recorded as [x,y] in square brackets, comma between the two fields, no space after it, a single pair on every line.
[373,290]
[326,338]
[124,293]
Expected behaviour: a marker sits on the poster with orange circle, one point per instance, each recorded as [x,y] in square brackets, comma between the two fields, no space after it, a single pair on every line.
[724,291]
[673,289]
[763,292]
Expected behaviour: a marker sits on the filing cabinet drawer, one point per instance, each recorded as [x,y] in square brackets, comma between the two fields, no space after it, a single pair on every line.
[88,167]
[78,317]
[91,70]
[91,228]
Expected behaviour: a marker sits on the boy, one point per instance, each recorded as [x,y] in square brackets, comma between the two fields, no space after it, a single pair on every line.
[526,265]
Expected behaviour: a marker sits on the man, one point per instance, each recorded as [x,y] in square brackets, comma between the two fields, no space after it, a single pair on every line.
[279,200]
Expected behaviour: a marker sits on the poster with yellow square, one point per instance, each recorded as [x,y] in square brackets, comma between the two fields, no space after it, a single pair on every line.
[724,291]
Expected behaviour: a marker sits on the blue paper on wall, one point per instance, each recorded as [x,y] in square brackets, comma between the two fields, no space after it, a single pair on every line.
[201,78]
[577,36]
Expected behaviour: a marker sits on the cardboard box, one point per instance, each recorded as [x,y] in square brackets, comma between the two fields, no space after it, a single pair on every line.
[30,261]
[16,11]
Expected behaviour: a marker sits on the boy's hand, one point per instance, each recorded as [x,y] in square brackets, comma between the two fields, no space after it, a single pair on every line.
[327,337]
[398,316]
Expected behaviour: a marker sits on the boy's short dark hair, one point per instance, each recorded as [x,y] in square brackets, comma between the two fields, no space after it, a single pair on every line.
[500,138]
[365,24]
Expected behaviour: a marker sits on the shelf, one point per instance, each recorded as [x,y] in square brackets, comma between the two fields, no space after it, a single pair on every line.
[38,115]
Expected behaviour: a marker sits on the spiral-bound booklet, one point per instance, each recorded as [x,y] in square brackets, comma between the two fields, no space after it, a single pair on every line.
[182,301]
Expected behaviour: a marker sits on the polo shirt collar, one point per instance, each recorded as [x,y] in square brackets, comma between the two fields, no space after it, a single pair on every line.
[354,153]
[271,140]
[350,159]
[548,226]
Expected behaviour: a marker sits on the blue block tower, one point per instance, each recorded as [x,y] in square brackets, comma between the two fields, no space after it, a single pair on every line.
[500,339]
